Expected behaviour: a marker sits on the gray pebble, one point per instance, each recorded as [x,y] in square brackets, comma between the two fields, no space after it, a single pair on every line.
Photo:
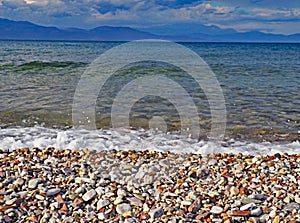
[89,195]
[32,184]
[52,192]
[123,208]
[156,213]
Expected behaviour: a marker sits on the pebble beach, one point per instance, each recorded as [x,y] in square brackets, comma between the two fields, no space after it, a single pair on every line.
[54,185]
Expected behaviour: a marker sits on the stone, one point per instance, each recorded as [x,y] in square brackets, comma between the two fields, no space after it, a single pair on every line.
[256,212]
[276,219]
[234,191]
[258,196]
[102,203]
[216,210]
[156,213]
[89,195]
[32,184]
[248,206]
[123,209]
[102,216]
[135,202]
[100,191]
[54,191]
[240,213]
[184,203]
[79,190]
[118,200]
[121,192]
[250,200]
[291,206]
[130,220]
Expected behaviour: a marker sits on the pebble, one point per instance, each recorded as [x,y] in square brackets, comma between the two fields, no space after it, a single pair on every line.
[250,200]
[156,213]
[135,202]
[216,210]
[54,191]
[79,190]
[124,209]
[102,203]
[147,186]
[276,219]
[256,212]
[248,206]
[89,195]
[32,184]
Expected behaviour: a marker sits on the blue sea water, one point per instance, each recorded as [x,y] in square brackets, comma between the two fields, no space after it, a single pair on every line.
[260,82]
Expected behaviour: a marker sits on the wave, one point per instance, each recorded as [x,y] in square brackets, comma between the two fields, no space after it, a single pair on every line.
[125,139]
[40,65]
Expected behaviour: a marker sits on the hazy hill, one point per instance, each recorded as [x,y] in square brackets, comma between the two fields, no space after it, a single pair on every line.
[23,30]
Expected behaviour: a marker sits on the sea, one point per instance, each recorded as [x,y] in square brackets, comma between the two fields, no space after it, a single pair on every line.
[257,84]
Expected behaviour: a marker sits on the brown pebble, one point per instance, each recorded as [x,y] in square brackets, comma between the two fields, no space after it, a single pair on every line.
[202,216]
[240,213]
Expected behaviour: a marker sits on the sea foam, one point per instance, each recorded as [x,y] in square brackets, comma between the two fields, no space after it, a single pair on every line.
[125,139]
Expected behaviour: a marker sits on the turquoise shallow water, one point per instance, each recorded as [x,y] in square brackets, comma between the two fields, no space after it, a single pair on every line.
[261,85]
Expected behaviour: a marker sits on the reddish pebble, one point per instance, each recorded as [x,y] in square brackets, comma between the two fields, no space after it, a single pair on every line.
[240,213]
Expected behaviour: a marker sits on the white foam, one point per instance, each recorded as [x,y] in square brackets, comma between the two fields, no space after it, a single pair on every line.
[20,137]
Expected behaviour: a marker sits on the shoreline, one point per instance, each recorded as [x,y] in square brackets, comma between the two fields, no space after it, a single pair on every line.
[55,185]
[127,139]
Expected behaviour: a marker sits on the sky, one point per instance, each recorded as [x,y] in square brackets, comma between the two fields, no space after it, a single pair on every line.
[271,16]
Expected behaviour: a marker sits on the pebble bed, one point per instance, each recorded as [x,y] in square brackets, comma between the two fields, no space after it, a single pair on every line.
[51,185]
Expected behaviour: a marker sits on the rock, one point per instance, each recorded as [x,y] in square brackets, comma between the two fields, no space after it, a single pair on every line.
[10,201]
[89,195]
[102,203]
[216,210]
[287,200]
[39,197]
[256,212]
[79,190]
[184,203]
[121,192]
[118,200]
[19,182]
[250,200]
[240,213]
[156,213]
[32,184]
[272,214]
[276,219]
[135,202]
[234,191]
[80,180]
[102,216]
[258,196]
[248,206]
[124,209]
[130,220]
[292,206]
[100,191]
[52,192]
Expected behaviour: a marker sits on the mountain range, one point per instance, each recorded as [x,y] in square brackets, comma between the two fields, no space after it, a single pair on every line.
[23,30]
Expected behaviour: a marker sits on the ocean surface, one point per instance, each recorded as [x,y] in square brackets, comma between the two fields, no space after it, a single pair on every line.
[260,84]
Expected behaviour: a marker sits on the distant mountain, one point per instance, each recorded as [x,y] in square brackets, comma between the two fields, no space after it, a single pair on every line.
[187,29]
[23,30]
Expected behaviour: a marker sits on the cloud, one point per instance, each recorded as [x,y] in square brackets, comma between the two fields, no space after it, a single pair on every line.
[44,2]
[242,15]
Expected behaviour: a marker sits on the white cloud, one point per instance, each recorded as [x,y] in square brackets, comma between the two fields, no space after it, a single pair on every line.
[271,13]
[43,2]
[242,15]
